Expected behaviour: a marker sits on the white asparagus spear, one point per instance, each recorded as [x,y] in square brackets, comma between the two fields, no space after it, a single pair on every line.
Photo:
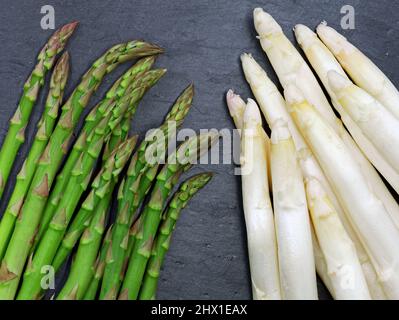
[360,68]
[272,104]
[273,107]
[291,68]
[321,264]
[343,264]
[262,246]
[366,212]
[236,106]
[377,123]
[294,240]
[323,61]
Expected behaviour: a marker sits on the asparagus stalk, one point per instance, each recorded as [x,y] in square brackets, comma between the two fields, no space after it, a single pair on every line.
[92,120]
[45,128]
[140,176]
[161,245]
[16,133]
[343,264]
[376,123]
[95,283]
[370,217]
[77,184]
[292,69]
[31,212]
[361,69]
[294,240]
[259,220]
[236,106]
[274,108]
[101,186]
[179,161]
[83,265]
[323,61]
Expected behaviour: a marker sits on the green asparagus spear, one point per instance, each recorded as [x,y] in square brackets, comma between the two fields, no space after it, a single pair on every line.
[178,162]
[31,212]
[45,128]
[77,184]
[91,292]
[95,199]
[16,133]
[97,114]
[132,192]
[161,245]
[83,266]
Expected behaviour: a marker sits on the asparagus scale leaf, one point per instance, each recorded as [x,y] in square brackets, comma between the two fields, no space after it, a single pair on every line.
[45,128]
[31,212]
[16,133]
[161,245]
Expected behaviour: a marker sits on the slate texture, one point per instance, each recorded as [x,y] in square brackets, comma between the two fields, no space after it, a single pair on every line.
[203,42]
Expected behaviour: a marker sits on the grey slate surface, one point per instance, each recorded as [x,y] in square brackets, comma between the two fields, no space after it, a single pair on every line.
[203,41]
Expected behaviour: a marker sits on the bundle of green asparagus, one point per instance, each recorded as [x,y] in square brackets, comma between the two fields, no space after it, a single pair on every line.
[331,213]
[63,193]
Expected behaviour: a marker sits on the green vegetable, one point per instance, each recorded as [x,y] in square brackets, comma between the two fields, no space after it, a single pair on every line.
[178,162]
[29,218]
[16,133]
[91,121]
[83,266]
[103,185]
[161,245]
[139,178]
[45,128]
[78,182]
[91,292]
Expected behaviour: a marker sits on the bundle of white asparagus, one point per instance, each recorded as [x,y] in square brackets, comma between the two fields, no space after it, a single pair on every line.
[331,212]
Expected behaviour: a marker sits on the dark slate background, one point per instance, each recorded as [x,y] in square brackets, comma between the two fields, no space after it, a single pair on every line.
[203,42]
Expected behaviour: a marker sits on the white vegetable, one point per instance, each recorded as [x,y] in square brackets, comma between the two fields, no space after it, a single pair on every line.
[323,61]
[343,263]
[236,106]
[295,251]
[366,212]
[272,104]
[361,69]
[378,124]
[291,69]
[273,107]
[259,219]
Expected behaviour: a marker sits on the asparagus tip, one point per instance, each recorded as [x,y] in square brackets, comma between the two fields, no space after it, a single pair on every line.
[335,41]
[304,35]
[234,103]
[63,62]
[265,24]
[252,113]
